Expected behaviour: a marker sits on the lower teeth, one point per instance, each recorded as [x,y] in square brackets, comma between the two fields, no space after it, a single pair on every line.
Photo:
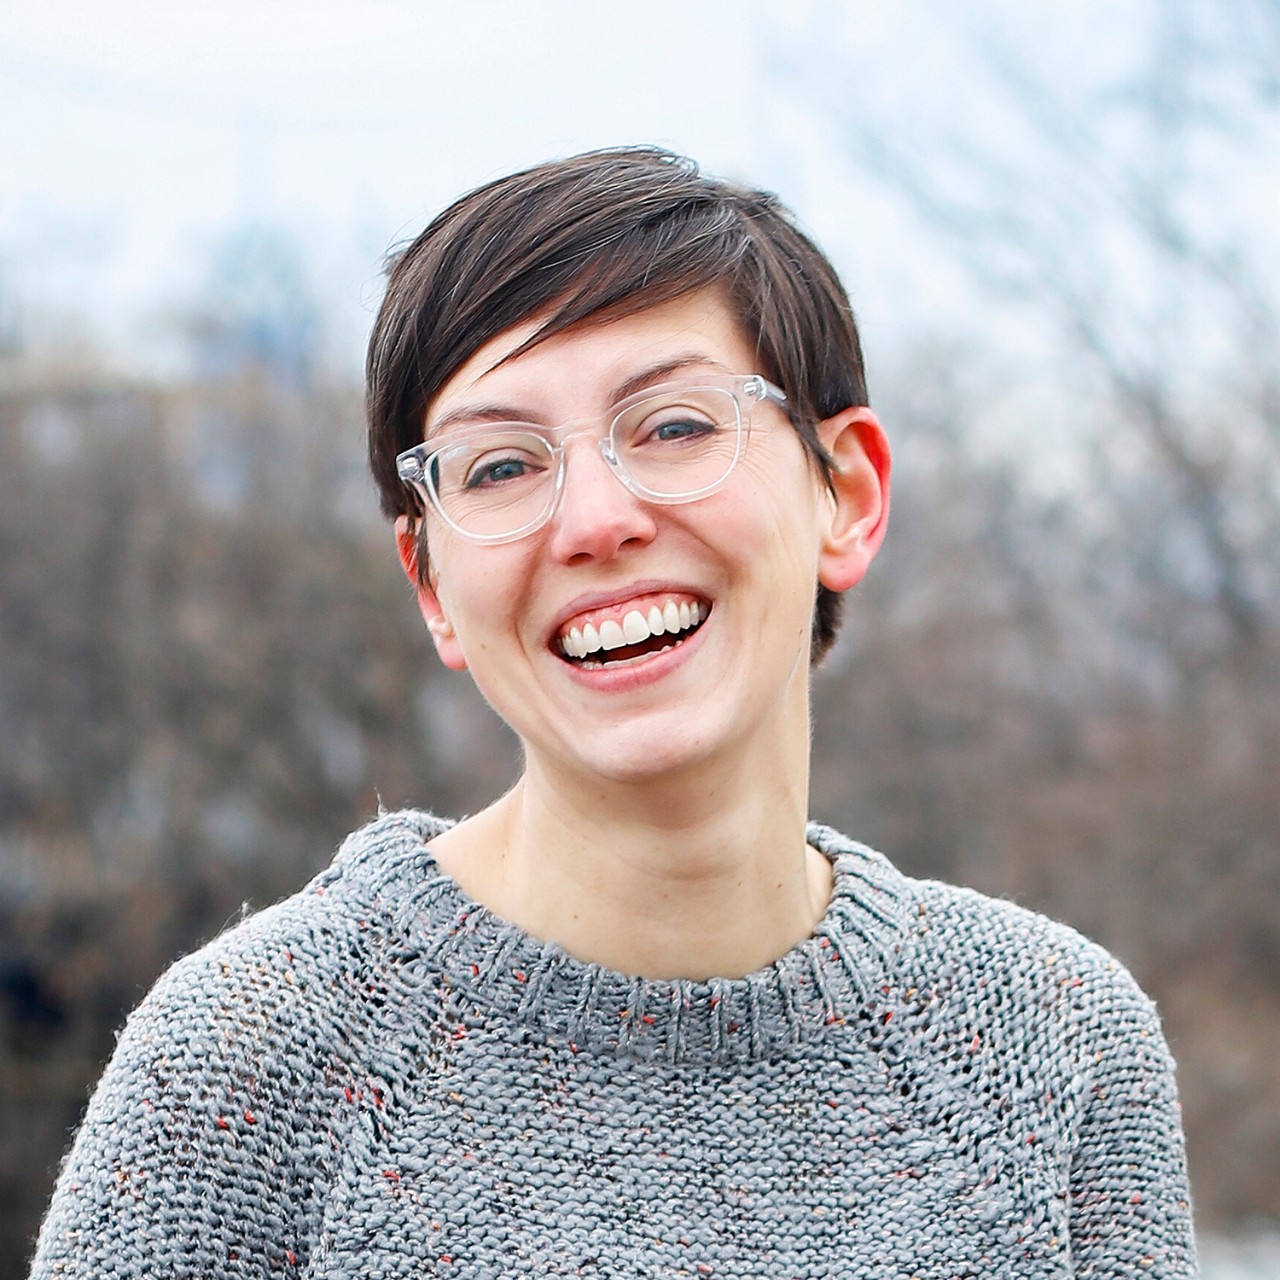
[595,665]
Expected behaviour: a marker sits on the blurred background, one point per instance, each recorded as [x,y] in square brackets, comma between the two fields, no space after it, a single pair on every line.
[1060,226]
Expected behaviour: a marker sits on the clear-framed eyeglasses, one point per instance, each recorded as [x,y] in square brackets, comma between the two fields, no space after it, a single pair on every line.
[678,442]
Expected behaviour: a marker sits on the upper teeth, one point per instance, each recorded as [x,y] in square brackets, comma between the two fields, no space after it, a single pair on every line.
[634,628]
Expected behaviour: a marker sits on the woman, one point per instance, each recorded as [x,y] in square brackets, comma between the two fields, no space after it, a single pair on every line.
[636,1018]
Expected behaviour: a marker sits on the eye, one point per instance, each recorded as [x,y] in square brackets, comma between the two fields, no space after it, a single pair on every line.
[686,428]
[505,462]
[494,469]
[671,427]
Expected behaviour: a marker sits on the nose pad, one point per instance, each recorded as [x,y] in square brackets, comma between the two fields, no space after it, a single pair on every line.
[629,481]
[616,469]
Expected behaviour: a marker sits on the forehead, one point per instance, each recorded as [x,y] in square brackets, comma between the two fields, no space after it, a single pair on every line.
[595,359]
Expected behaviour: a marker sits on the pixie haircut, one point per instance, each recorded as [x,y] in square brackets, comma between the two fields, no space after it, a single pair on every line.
[594,238]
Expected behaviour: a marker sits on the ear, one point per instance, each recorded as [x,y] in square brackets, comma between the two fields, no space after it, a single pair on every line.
[442,632]
[859,508]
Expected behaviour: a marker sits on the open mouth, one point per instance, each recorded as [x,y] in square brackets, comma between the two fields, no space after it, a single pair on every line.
[631,636]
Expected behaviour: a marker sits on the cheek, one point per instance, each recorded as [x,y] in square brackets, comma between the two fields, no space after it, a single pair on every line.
[483,592]
[785,512]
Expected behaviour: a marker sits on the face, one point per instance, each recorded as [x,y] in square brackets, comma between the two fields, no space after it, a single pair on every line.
[713,598]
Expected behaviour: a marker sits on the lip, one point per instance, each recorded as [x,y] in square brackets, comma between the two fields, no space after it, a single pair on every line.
[609,600]
[638,675]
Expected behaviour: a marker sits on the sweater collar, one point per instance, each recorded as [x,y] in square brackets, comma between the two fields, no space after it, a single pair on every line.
[837,975]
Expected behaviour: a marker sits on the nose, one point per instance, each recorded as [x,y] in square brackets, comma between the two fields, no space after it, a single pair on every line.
[597,515]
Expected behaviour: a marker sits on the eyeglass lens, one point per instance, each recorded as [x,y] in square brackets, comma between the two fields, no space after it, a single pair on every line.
[677,444]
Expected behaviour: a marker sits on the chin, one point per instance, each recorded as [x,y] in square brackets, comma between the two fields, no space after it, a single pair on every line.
[643,767]
[649,751]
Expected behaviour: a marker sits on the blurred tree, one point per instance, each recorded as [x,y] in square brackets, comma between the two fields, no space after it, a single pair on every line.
[198,698]
[1077,699]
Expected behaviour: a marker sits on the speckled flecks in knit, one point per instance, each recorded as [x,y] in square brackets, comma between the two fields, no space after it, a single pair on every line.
[378,1078]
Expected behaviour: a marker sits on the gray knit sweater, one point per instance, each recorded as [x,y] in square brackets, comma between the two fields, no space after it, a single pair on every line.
[379,1078]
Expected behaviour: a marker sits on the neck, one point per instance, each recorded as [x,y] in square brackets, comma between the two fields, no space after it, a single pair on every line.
[700,875]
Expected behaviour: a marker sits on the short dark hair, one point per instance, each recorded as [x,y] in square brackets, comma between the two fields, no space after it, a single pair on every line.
[599,236]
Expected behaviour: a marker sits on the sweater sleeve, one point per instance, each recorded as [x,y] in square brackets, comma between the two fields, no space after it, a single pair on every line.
[202,1152]
[1130,1202]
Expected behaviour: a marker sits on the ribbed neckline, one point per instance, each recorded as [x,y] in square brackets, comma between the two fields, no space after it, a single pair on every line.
[836,976]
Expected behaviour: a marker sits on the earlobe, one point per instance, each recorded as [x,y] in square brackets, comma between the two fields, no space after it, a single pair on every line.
[859,508]
[429,604]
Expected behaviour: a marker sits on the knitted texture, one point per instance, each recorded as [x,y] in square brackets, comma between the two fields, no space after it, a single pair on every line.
[379,1078]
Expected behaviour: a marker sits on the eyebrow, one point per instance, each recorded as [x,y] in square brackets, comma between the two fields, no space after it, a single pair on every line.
[650,376]
[659,373]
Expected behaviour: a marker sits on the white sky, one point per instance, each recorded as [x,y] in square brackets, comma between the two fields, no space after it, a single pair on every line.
[134,134]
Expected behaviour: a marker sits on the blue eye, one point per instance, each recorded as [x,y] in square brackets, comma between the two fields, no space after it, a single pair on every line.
[496,472]
[683,429]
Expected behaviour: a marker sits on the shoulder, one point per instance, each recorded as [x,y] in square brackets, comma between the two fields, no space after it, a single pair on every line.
[968,941]
[984,942]
[287,968]
[984,976]
[235,1081]
[1017,1028]
[1022,993]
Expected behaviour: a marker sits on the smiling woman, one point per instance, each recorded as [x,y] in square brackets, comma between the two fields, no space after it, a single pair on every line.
[638,1017]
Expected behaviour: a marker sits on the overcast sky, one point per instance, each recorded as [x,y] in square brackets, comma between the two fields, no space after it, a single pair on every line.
[137,133]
